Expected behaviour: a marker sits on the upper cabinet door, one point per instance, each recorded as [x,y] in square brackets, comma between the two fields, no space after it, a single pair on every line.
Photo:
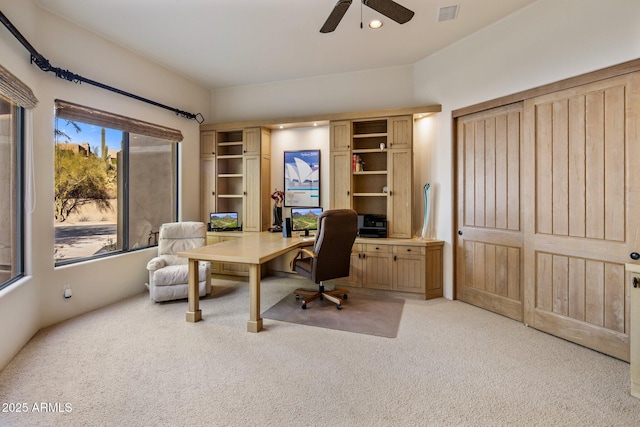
[340,136]
[251,138]
[400,132]
[208,144]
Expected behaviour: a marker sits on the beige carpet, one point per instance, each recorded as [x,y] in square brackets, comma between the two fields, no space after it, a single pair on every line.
[138,363]
[360,313]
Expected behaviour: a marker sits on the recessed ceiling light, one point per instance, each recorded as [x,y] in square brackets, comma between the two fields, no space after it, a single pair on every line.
[375,24]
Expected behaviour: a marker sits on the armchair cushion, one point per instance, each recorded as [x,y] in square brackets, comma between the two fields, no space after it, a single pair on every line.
[176,274]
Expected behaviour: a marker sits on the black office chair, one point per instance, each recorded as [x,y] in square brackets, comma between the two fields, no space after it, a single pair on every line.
[330,257]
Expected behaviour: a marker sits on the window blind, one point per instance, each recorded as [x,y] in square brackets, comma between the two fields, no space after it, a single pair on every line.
[14,89]
[74,112]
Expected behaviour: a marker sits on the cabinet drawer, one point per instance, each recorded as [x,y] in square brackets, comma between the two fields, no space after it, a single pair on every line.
[383,249]
[409,250]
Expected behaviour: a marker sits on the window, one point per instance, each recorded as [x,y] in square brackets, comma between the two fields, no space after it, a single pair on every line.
[15,97]
[11,191]
[115,183]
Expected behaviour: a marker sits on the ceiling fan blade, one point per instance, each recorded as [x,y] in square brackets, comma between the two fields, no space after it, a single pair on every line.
[336,16]
[390,9]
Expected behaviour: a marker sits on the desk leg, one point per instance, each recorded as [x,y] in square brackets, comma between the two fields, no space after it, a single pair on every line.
[194,314]
[255,321]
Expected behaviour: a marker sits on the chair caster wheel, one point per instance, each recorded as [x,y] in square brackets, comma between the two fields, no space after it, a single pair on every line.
[339,307]
[304,306]
[297,297]
[344,296]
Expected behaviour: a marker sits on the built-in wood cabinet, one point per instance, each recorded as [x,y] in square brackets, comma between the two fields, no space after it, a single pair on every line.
[410,265]
[340,135]
[372,162]
[236,167]
[235,175]
[207,174]
[399,203]
[257,179]
[633,280]
[340,182]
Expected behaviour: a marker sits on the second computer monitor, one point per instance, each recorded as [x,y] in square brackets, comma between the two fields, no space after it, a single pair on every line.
[305,219]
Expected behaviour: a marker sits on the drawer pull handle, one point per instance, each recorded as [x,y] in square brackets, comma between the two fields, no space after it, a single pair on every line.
[635,282]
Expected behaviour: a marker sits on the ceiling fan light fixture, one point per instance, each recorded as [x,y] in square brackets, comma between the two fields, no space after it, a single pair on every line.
[375,24]
[388,8]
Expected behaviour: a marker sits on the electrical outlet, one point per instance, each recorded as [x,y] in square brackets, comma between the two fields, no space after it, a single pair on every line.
[66,291]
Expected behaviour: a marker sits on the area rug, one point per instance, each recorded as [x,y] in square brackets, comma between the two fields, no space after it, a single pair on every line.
[361,314]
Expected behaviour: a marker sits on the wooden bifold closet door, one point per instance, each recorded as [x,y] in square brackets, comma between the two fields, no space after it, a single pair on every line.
[489,246]
[579,198]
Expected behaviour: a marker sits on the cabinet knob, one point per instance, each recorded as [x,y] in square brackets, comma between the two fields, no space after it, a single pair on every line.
[634,256]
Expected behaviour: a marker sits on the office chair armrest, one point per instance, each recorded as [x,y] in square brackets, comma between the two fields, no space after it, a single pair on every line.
[299,255]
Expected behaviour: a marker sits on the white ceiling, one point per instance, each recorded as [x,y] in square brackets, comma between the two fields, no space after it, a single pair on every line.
[225,43]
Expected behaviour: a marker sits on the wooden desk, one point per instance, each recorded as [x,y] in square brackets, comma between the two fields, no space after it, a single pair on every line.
[253,249]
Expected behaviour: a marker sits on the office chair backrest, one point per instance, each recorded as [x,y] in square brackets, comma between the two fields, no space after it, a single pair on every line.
[336,233]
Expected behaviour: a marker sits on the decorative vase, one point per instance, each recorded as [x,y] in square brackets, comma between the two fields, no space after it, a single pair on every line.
[425,222]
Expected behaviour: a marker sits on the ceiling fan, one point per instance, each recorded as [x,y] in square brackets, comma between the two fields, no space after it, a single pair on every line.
[388,8]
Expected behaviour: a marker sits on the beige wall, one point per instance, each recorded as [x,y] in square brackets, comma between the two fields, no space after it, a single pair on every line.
[37,301]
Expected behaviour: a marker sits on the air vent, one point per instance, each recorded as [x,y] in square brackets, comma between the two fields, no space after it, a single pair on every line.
[447,13]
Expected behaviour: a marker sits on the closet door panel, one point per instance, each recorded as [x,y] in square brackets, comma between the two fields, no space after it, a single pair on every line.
[489,241]
[581,208]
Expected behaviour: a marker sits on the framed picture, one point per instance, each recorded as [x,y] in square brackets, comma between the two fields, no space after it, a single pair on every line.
[302,178]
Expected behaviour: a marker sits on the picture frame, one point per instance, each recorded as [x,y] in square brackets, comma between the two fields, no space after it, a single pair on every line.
[302,178]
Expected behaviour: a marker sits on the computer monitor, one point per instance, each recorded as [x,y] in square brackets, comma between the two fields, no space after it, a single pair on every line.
[220,221]
[305,219]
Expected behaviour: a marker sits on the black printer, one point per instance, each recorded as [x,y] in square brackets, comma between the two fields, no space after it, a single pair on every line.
[372,226]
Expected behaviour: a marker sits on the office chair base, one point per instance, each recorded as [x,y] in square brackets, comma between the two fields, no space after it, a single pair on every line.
[322,294]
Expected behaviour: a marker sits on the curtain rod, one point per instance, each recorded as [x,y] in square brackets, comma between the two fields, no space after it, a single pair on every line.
[44,65]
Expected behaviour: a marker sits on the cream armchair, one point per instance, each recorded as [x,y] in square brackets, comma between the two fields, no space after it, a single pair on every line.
[169,273]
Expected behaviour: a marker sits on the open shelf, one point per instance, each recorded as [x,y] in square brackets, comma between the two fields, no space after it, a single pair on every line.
[381,172]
